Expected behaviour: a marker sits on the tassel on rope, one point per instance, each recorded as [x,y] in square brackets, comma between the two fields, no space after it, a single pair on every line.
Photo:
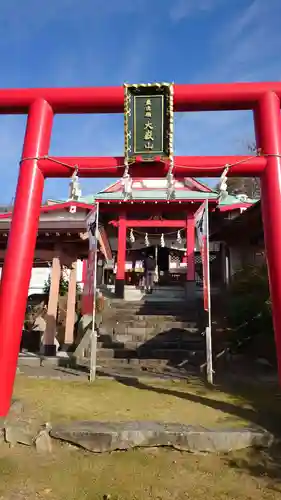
[132,236]
[127,184]
[74,187]
[223,184]
[171,192]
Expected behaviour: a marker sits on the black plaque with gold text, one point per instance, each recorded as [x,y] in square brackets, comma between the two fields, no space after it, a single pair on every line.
[148,122]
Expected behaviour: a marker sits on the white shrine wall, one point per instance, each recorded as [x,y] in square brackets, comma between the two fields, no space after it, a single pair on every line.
[40,275]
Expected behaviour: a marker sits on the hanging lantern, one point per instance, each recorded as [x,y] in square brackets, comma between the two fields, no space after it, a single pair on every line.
[146,240]
[132,237]
[162,240]
[179,240]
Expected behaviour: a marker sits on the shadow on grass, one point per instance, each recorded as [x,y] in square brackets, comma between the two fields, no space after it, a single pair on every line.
[265,413]
[261,463]
[258,418]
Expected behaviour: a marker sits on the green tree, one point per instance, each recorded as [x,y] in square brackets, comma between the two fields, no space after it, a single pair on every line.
[248,311]
[63,288]
[244,185]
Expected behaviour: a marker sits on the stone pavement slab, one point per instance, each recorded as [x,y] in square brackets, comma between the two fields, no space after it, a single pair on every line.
[101,437]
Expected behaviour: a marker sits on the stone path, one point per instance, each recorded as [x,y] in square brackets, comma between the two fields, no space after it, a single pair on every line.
[62,373]
[100,437]
[52,372]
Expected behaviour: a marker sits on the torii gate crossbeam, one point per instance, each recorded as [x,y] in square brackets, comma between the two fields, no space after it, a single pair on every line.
[41,104]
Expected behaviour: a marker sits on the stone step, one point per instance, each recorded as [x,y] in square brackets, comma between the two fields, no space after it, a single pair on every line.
[154,318]
[157,330]
[157,309]
[147,353]
[119,324]
[140,297]
[36,360]
[162,313]
[130,362]
[153,298]
[160,372]
[175,305]
[161,337]
[150,323]
[191,365]
[124,338]
[141,363]
[155,344]
[161,326]
[115,365]
[122,302]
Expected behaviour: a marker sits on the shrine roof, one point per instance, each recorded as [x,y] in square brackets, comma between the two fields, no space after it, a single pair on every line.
[231,200]
[151,189]
[188,189]
[152,195]
[155,189]
[245,227]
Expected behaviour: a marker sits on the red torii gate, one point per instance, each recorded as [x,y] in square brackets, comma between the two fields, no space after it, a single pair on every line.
[41,104]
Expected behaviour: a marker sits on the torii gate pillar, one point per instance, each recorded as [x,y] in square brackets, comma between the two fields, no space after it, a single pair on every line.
[268,138]
[21,245]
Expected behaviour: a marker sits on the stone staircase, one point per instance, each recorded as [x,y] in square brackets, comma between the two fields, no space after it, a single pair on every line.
[163,335]
[160,293]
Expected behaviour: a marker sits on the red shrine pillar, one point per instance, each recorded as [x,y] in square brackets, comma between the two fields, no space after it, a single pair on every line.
[121,257]
[268,136]
[21,245]
[190,257]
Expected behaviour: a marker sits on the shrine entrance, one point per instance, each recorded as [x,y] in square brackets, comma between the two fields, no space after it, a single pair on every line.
[163,258]
[146,155]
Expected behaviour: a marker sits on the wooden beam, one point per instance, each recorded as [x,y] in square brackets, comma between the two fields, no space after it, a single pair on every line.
[152,223]
[46,255]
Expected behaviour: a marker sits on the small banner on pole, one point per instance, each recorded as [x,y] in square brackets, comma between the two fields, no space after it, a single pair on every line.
[89,292]
[202,232]
[148,121]
[88,297]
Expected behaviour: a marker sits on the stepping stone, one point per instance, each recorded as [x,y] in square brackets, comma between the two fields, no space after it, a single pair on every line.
[101,437]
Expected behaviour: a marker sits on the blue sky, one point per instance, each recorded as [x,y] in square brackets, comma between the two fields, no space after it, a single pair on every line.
[62,43]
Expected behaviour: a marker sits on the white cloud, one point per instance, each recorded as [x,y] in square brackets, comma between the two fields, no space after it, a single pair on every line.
[213,133]
[75,66]
[181,9]
[12,130]
[245,49]
[23,20]
[256,13]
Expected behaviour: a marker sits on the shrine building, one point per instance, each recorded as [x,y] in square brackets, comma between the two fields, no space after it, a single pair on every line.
[128,230]
[147,223]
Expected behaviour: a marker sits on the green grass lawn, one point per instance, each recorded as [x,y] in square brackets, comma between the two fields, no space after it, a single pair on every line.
[164,474]
[189,403]
[135,475]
